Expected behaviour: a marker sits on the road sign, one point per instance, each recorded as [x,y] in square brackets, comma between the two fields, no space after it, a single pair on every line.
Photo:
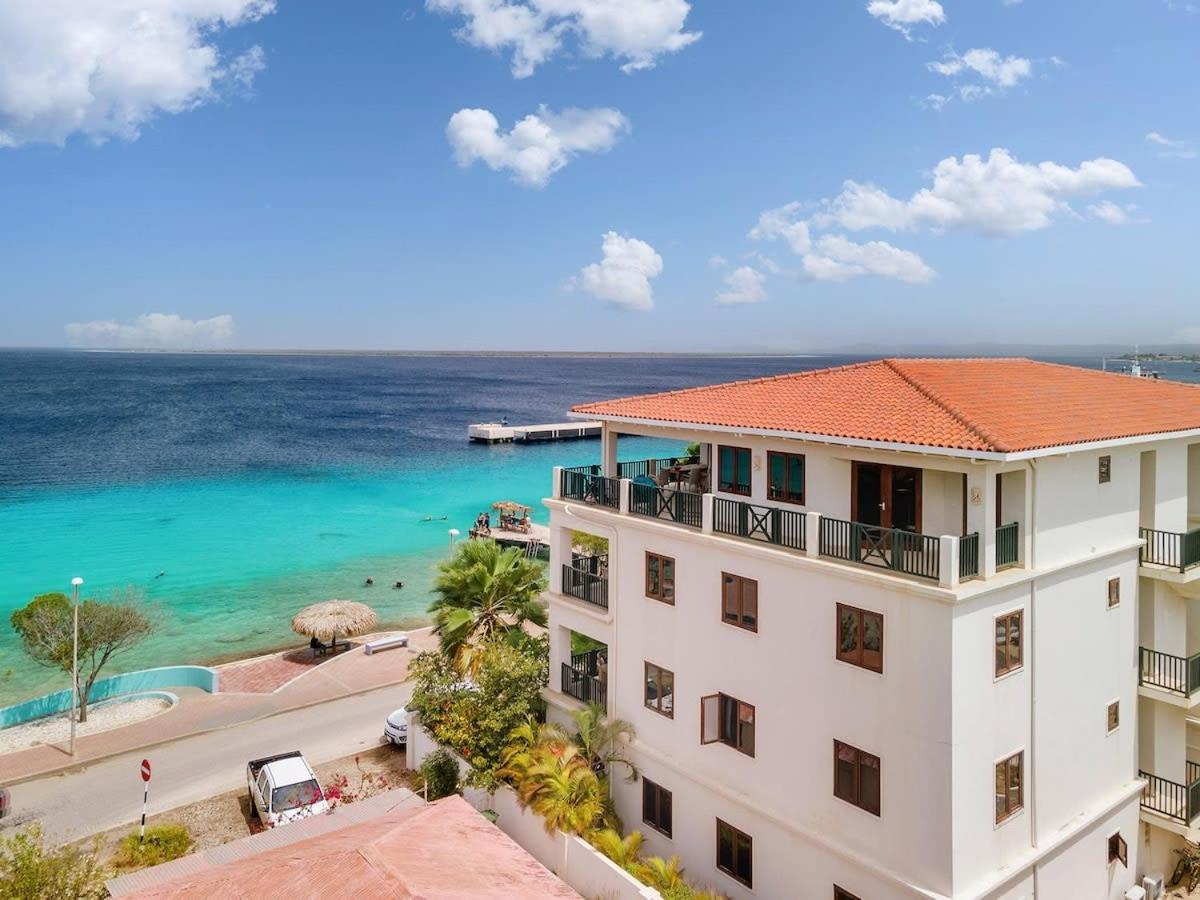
[145,797]
[145,770]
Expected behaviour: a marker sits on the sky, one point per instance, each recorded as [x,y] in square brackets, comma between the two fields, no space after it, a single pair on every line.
[598,174]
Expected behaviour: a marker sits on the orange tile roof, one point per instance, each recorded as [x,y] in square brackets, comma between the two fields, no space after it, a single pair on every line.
[987,405]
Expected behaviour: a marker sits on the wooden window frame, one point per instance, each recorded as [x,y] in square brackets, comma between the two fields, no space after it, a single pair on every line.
[1118,849]
[1112,716]
[657,705]
[661,594]
[840,893]
[657,791]
[1114,592]
[860,757]
[1010,665]
[860,656]
[1007,763]
[721,734]
[740,622]
[1104,469]
[732,873]
[788,496]
[735,489]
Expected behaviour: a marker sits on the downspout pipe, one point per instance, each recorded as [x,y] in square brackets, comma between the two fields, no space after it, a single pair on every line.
[1032,630]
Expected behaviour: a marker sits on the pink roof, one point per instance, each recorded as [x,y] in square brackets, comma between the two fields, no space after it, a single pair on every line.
[445,850]
[988,405]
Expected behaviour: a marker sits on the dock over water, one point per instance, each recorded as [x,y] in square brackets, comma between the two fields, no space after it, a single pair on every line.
[503,433]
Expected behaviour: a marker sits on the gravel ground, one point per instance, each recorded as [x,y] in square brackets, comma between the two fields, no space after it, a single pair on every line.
[57,728]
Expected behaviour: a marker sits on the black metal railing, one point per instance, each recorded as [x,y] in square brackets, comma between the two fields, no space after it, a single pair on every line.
[586,579]
[590,488]
[586,678]
[682,507]
[1171,548]
[968,556]
[1177,674]
[770,524]
[1008,548]
[1180,802]
[907,552]
[651,467]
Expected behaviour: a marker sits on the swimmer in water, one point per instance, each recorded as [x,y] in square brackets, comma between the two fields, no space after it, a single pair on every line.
[161,574]
[369,582]
[398,585]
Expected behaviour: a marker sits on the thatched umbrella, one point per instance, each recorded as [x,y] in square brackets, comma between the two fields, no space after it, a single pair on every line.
[325,621]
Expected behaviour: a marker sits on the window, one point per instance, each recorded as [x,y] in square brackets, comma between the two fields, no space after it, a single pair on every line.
[1010,794]
[1009,656]
[842,894]
[1114,716]
[1105,469]
[735,853]
[739,601]
[726,720]
[785,477]
[856,777]
[733,470]
[660,690]
[660,578]
[1114,592]
[1118,850]
[860,637]
[656,807]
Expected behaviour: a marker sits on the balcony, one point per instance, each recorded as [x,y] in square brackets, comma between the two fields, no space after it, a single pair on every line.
[586,578]
[1175,674]
[1177,802]
[769,524]
[906,552]
[1170,549]
[586,677]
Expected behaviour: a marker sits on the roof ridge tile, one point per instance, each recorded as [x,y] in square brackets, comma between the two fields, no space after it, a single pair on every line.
[958,415]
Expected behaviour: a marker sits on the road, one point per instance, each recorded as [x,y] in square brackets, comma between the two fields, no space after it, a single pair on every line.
[109,793]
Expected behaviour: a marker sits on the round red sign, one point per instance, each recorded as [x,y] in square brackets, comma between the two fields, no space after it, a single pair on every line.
[145,770]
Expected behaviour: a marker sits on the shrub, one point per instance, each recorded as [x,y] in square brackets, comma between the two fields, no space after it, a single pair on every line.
[163,843]
[440,772]
[29,869]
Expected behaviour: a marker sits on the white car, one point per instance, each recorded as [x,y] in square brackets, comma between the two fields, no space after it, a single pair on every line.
[283,789]
[395,728]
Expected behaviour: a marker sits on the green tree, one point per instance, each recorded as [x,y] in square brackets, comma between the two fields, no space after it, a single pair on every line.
[626,852]
[484,592]
[28,869]
[106,630]
[554,780]
[440,774]
[601,740]
[591,544]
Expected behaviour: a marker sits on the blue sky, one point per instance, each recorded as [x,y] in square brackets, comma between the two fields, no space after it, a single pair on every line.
[735,176]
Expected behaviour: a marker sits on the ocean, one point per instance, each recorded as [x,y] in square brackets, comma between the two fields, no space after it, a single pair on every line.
[260,484]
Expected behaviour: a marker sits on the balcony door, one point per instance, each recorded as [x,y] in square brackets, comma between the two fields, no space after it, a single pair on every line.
[887,496]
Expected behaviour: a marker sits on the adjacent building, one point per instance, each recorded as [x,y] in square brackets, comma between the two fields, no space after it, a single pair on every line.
[908,628]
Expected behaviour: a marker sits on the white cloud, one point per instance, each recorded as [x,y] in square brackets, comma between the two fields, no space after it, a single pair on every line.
[623,276]
[998,195]
[783,222]
[537,146]
[153,331]
[743,285]
[636,32]
[1113,214]
[717,262]
[835,257]
[104,68]
[902,15]
[1001,71]
[1171,148]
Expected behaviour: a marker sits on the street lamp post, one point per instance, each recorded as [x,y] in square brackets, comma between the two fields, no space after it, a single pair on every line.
[75,584]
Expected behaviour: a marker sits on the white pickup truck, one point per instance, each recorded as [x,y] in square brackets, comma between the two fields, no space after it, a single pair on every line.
[284,788]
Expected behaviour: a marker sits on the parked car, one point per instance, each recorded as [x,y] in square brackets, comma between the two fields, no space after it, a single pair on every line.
[284,788]
[395,728]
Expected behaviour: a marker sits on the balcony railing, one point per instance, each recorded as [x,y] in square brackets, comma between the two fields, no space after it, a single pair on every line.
[586,678]
[1008,550]
[1177,674]
[652,467]
[586,579]
[770,524]
[1171,548]
[907,552]
[968,556]
[1180,802]
[681,507]
[581,484]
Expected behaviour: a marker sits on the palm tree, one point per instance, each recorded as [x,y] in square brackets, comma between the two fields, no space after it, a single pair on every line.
[600,739]
[554,780]
[661,874]
[485,592]
[625,852]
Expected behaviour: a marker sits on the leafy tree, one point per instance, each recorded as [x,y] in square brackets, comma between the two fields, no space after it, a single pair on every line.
[626,851]
[476,718]
[591,544]
[555,781]
[484,592]
[106,630]
[440,773]
[692,450]
[28,868]
[600,739]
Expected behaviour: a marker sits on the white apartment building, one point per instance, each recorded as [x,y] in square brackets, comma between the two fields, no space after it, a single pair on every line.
[909,628]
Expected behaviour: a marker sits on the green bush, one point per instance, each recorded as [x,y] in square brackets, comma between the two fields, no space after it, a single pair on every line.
[29,869]
[440,772]
[163,843]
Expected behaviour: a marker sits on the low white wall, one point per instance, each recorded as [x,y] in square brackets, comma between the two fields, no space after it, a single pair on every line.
[572,859]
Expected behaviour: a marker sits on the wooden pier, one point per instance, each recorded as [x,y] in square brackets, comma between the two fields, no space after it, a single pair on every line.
[502,433]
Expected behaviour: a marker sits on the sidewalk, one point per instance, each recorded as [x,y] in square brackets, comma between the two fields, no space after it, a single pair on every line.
[262,687]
